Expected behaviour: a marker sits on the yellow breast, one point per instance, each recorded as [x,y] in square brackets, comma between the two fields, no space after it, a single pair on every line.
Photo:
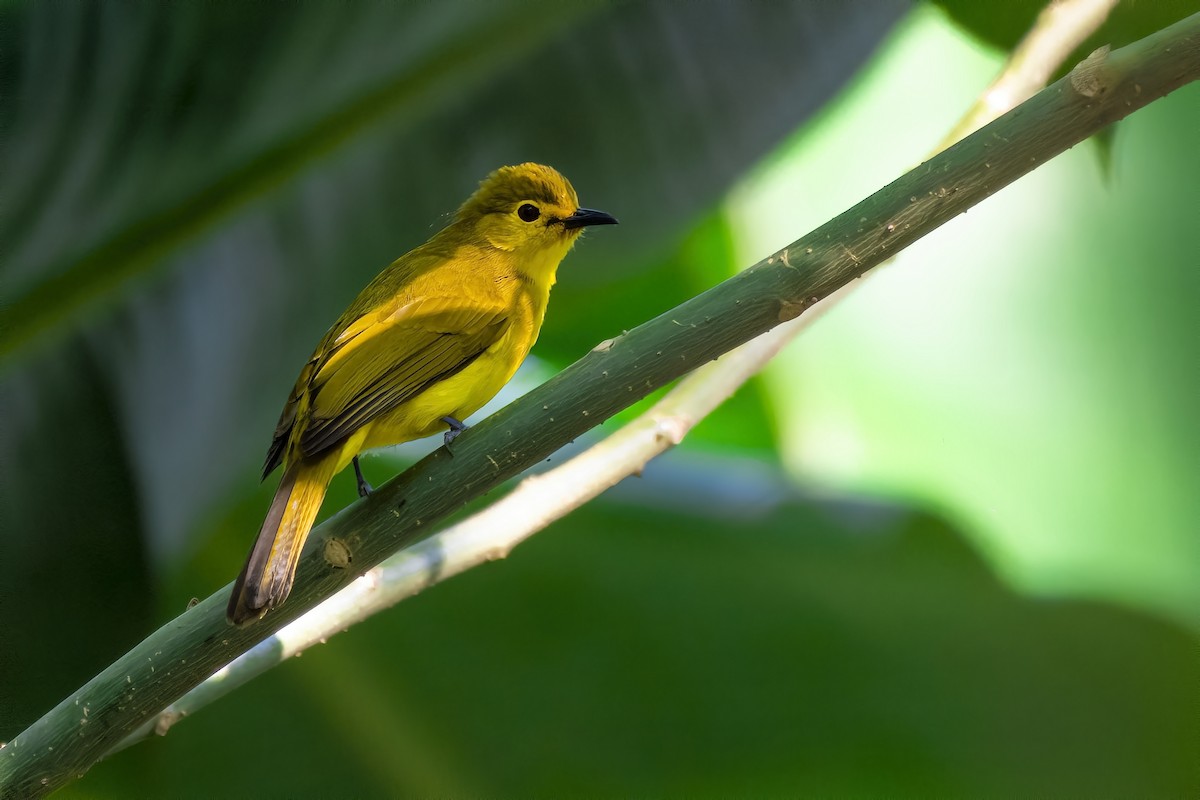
[468,390]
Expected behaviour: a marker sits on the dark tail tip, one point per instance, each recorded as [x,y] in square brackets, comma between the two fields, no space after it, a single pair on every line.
[240,611]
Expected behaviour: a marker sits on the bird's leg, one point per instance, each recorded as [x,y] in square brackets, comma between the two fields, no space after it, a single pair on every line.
[456,428]
[364,488]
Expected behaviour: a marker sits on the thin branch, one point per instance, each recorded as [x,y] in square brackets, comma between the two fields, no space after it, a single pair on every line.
[1104,88]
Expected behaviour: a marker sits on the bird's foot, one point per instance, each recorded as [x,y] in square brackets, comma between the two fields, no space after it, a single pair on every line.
[364,488]
[456,428]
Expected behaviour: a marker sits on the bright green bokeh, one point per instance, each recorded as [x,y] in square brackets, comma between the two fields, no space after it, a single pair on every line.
[1029,368]
[715,627]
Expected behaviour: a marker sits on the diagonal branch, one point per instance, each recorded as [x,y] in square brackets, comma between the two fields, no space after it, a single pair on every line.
[492,533]
[538,501]
[1104,88]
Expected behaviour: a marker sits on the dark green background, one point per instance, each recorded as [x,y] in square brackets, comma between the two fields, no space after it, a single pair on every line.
[194,191]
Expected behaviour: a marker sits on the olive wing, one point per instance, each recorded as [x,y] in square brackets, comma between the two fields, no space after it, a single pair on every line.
[383,359]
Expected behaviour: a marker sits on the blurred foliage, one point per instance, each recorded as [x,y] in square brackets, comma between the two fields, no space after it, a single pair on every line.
[1002,25]
[194,191]
[631,651]
[1028,369]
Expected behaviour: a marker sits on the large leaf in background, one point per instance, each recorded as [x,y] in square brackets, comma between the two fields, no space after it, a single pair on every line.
[627,653]
[133,129]
[1028,368]
[651,115]
[67,556]
[203,188]
[1002,25]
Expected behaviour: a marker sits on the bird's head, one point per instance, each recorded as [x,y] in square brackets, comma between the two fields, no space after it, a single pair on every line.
[530,211]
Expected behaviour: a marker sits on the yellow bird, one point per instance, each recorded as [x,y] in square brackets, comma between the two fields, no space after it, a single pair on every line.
[426,344]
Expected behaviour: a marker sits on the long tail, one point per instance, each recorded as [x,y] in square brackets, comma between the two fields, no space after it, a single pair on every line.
[267,577]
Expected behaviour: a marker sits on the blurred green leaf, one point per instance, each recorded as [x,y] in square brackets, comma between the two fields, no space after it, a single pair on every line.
[1003,25]
[833,650]
[656,126]
[717,645]
[1027,368]
[72,536]
[155,173]
[196,191]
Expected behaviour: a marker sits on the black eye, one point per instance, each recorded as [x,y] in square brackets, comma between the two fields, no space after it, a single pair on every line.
[528,212]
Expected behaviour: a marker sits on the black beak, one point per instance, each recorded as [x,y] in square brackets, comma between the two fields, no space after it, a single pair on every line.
[588,216]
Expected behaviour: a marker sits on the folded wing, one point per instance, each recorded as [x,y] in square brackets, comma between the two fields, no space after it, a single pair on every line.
[379,361]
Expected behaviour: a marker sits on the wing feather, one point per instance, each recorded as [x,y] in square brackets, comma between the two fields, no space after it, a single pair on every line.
[384,359]
[383,350]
